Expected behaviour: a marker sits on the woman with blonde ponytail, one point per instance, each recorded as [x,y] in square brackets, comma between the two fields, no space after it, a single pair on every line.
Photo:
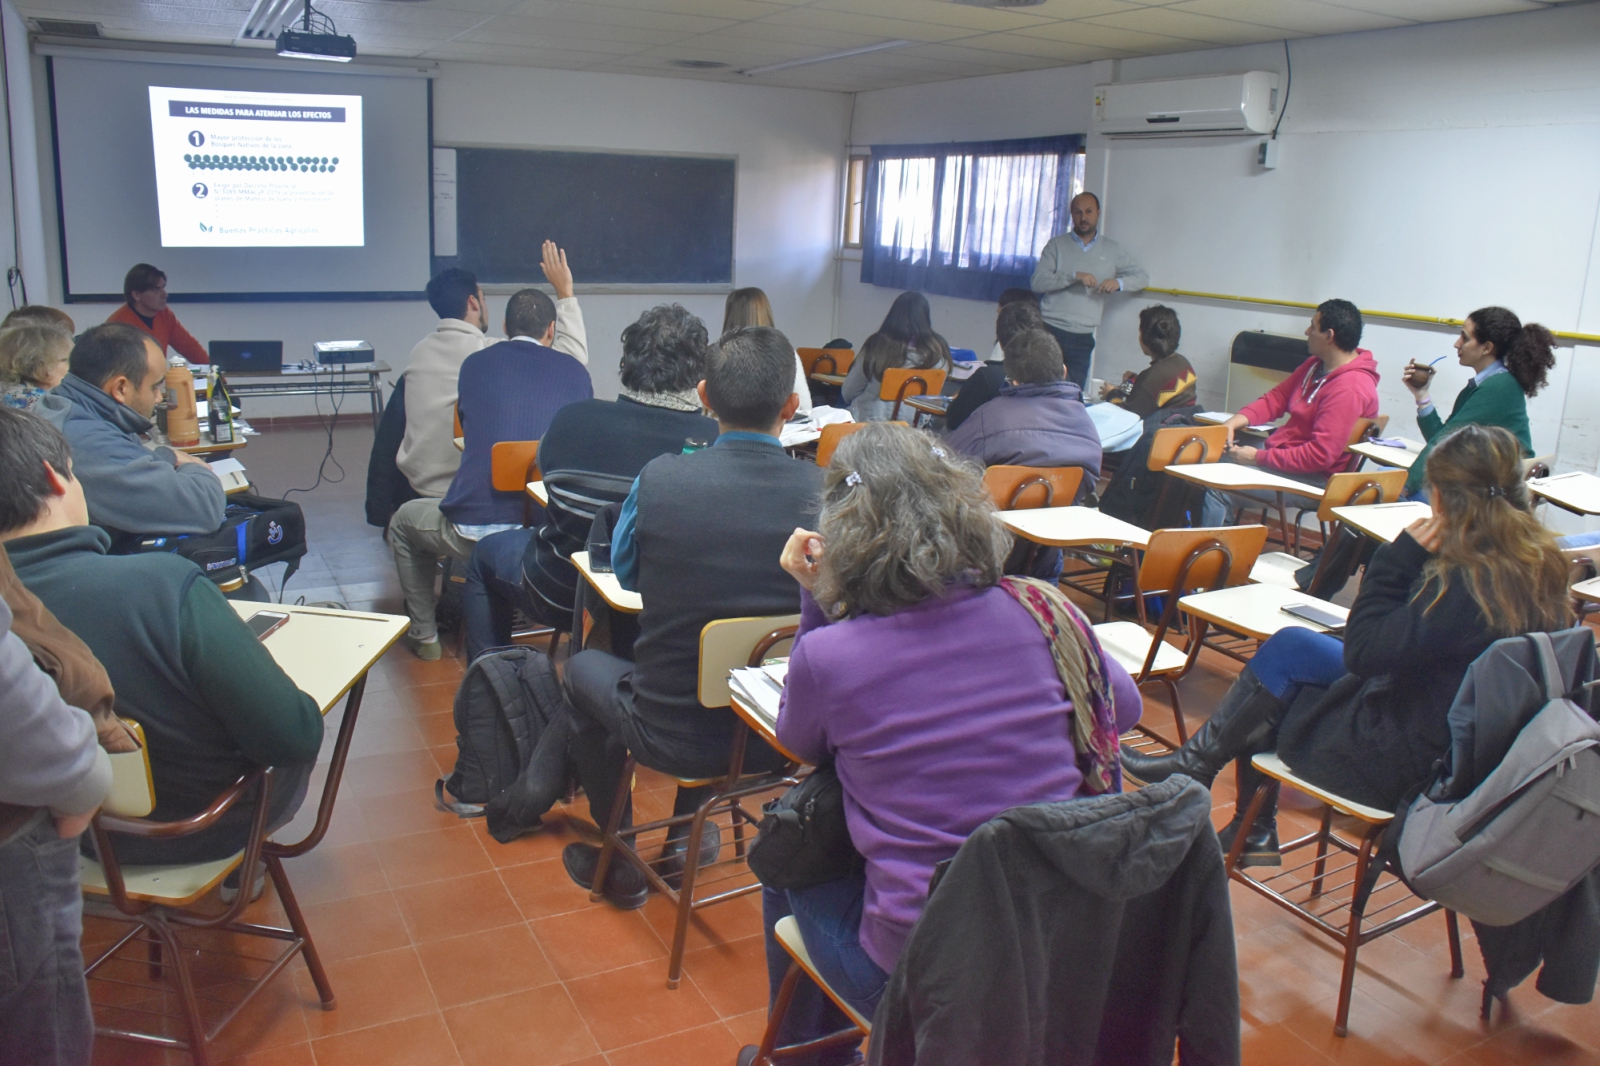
[1366,716]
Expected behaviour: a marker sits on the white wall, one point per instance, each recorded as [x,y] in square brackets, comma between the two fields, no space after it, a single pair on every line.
[789,143]
[1429,170]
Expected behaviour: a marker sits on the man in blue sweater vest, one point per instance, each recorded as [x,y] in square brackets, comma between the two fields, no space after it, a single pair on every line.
[507,391]
[699,538]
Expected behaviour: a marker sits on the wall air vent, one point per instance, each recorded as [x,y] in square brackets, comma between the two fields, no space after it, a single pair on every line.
[66,28]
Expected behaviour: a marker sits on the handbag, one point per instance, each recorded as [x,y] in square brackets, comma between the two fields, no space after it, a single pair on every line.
[803,839]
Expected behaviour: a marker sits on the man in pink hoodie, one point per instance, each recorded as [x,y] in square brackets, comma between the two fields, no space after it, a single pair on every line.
[1323,399]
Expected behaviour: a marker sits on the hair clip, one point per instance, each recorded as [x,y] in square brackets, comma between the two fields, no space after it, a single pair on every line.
[852,478]
[939,452]
[1496,490]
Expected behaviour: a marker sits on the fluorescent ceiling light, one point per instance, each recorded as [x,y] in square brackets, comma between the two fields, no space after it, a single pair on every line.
[881,46]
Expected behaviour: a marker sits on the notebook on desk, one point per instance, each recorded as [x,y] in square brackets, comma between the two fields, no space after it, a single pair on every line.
[247,357]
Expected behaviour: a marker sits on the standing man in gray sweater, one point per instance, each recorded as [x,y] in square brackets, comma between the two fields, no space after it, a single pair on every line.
[1076,272]
[53,776]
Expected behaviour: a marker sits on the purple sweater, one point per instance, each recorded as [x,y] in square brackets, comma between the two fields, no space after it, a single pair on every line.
[939,717]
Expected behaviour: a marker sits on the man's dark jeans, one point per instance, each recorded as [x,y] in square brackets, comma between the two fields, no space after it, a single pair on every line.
[44,1001]
[605,728]
[494,589]
[1076,348]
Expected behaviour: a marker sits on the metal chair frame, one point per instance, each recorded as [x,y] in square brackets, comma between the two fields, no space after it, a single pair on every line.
[728,791]
[1365,871]
[161,922]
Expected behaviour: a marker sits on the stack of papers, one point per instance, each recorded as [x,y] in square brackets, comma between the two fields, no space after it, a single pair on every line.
[804,429]
[231,472]
[760,688]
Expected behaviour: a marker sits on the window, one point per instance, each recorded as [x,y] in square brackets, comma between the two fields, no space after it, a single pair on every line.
[855,200]
[965,219]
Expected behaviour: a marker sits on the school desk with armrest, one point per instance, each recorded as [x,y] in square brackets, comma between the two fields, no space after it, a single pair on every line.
[327,654]
[1343,490]
[835,432]
[1091,535]
[1578,491]
[1383,522]
[902,381]
[1177,563]
[724,645]
[1241,477]
[1348,900]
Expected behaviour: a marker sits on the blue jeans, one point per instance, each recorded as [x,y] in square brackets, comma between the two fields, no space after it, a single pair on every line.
[44,1001]
[1076,352]
[829,917]
[1295,657]
[494,589]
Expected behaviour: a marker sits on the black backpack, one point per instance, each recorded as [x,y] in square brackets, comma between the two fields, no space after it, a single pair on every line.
[1136,494]
[256,531]
[511,742]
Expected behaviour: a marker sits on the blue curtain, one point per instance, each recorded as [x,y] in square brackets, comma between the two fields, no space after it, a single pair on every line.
[965,219]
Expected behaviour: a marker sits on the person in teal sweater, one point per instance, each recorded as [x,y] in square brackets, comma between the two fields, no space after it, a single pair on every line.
[1509,362]
[212,701]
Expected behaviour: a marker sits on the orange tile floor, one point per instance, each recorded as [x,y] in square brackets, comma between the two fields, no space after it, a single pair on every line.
[445,947]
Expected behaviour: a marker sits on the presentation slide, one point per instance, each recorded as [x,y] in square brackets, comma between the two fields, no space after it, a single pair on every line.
[257,170]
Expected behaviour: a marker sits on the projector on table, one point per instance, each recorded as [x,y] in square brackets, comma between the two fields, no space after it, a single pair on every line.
[342,351]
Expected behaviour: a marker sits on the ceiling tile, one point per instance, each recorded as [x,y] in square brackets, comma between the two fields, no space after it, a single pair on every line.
[1440,10]
[610,15]
[1161,20]
[1298,16]
[938,12]
[821,40]
[881,29]
[1122,39]
[516,27]
[724,9]
[1028,44]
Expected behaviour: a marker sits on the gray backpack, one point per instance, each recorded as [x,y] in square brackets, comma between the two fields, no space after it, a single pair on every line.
[1500,836]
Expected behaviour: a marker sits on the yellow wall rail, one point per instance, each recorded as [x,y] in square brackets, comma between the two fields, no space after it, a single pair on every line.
[1453,323]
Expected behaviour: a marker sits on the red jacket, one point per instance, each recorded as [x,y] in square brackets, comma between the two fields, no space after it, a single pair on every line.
[166,330]
[1321,415]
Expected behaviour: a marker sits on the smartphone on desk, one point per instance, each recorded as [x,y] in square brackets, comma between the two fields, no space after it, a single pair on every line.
[265,623]
[1312,613]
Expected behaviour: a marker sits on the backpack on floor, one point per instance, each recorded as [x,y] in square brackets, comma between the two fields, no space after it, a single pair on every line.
[1500,836]
[511,741]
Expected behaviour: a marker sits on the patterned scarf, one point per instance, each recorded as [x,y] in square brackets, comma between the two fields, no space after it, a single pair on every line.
[687,400]
[1079,660]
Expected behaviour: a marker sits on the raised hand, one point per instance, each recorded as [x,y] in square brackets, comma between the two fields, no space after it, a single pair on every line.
[556,271]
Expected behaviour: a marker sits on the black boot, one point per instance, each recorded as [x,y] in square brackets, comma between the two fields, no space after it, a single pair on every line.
[1261,842]
[1244,723]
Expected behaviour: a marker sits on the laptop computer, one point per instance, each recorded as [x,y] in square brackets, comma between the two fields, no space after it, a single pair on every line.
[247,357]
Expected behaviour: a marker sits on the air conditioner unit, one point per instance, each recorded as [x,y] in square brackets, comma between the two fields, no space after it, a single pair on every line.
[1185,107]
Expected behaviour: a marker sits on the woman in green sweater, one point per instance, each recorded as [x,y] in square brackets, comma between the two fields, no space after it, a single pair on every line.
[1509,362]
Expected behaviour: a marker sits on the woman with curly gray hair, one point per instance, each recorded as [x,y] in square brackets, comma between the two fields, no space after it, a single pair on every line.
[928,680]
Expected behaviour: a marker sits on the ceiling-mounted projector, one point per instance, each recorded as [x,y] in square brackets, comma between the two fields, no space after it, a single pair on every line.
[317,38]
[297,44]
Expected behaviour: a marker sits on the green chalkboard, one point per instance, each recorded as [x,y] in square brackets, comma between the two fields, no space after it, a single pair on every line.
[623,219]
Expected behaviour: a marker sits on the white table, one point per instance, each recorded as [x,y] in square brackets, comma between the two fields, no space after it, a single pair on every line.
[1256,610]
[1386,456]
[607,585]
[537,490]
[1382,521]
[1073,527]
[1588,591]
[1577,492]
[325,652]
[1105,539]
[1240,477]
